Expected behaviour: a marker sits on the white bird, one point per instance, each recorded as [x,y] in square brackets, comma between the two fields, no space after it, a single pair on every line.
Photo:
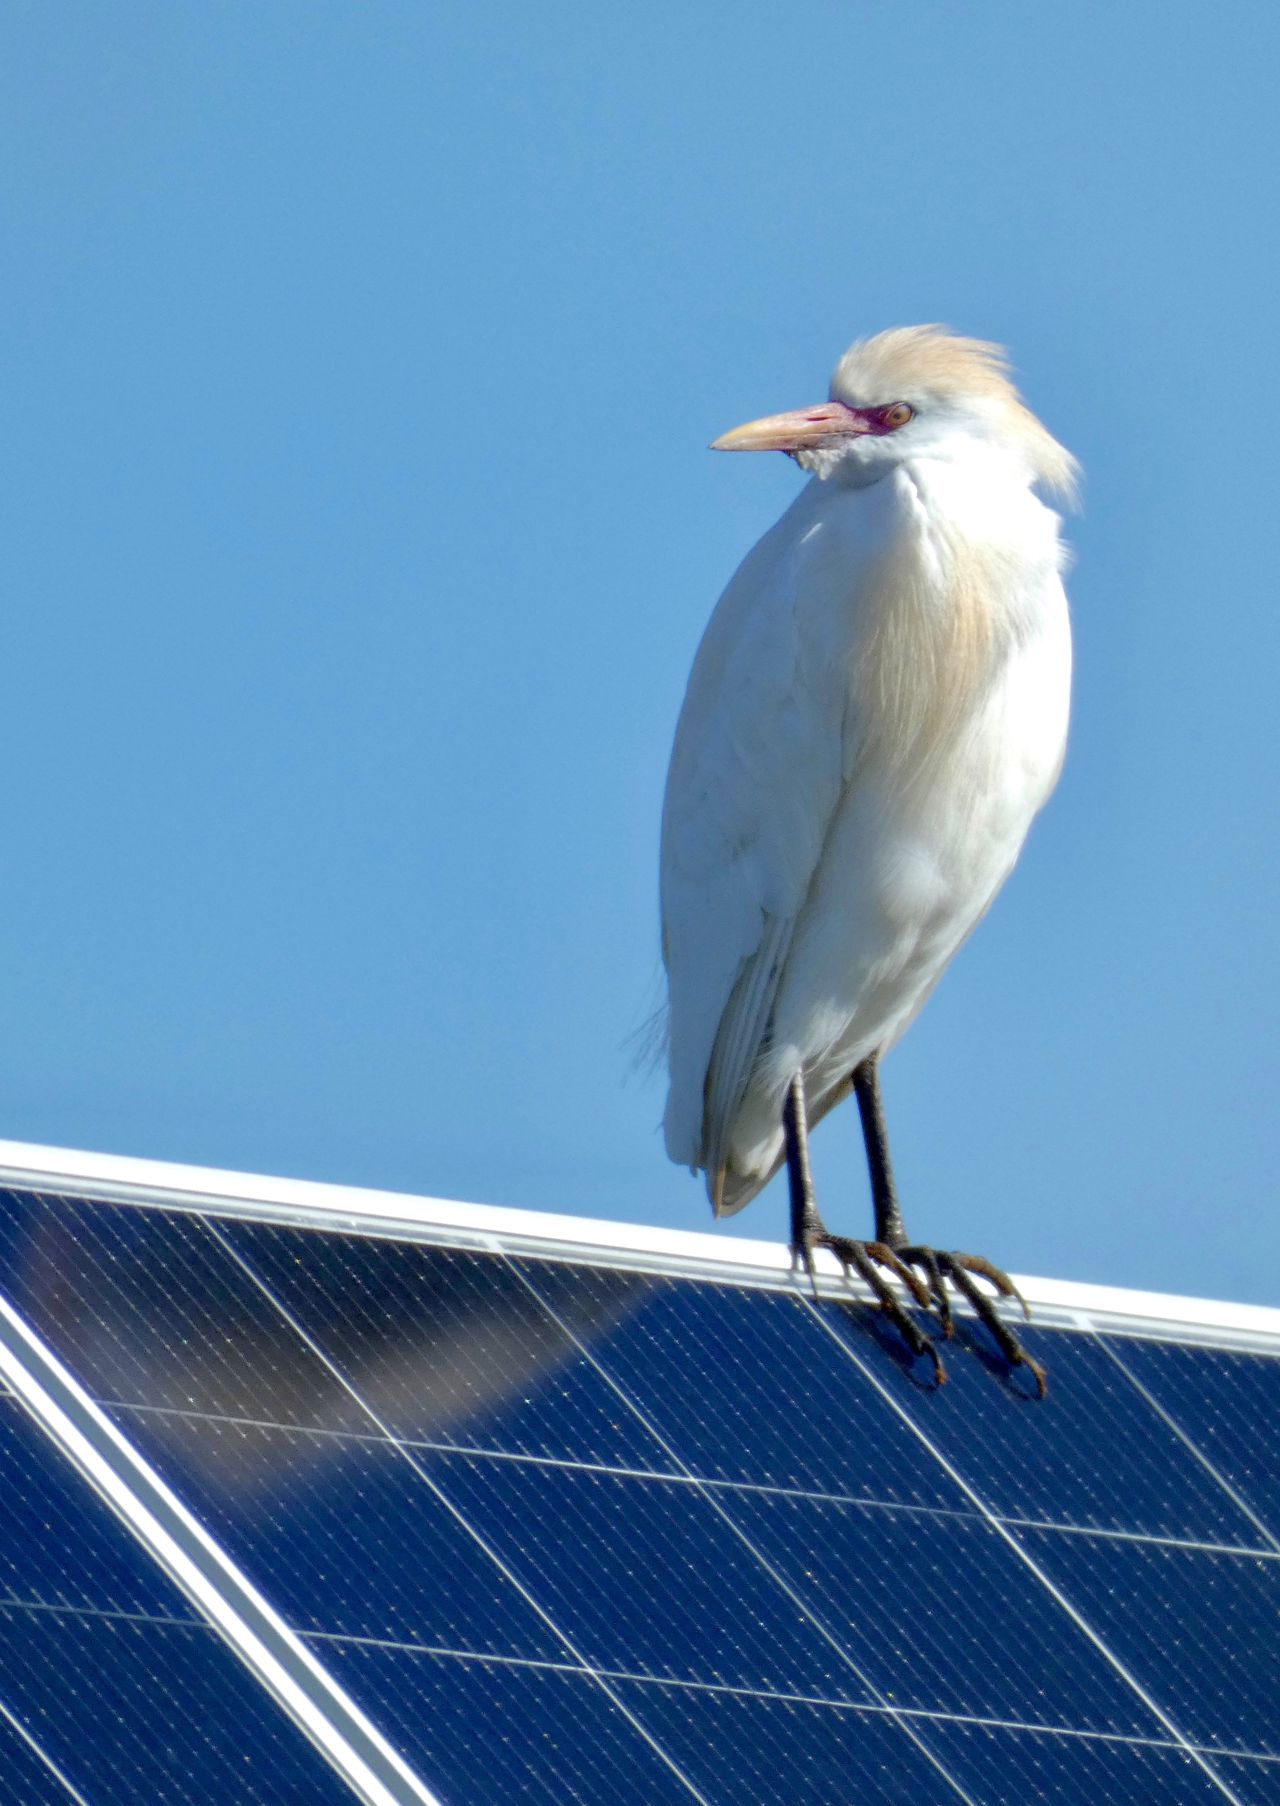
[877,710]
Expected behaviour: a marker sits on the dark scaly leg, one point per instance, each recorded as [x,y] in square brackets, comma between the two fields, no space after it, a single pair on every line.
[808,1231]
[938,1267]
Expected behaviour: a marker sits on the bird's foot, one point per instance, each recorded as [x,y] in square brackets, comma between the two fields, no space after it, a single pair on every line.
[869,1261]
[942,1269]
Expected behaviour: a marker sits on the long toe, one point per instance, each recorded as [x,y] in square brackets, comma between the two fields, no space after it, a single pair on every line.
[869,1262]
[958,1271]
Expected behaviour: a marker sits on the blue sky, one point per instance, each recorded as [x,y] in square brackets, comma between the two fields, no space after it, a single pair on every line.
[359,366]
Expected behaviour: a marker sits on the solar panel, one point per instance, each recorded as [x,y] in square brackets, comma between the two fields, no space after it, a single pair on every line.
[112,1688]
[318,1495]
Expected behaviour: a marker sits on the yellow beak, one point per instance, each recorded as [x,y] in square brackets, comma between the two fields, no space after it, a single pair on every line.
[804,429]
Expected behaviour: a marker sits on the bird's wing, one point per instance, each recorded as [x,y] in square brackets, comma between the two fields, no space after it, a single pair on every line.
[743,1028]
[763,751]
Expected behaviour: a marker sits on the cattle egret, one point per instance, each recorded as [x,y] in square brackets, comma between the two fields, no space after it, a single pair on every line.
[876,711]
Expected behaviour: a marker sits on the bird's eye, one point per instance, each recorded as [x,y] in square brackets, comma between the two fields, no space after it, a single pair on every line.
[898,415]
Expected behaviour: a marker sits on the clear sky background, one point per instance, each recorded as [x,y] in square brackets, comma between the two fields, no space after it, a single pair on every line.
[359,366]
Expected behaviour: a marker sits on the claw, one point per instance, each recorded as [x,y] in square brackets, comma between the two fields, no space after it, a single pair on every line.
[803,1252]
[865,1260]
[974,1263]
[865,1255]
[959,1269]
[926,1258]
[887,1257]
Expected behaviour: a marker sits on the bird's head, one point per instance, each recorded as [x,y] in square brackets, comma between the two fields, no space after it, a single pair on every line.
[914,392]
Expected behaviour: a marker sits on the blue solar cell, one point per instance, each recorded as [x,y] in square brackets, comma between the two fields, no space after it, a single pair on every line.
[25,1777]
[450,1347]
[645,1576]
[940,1612]
[485,1732]
[1001,1766]
[1227,1403]
[342,1534]
[102,1661]
[1254,1781]
[137,1711]
[59,1547]
[1093,1453]
[750,1750]
[146,1307]
[1196,1627]
[746,1385]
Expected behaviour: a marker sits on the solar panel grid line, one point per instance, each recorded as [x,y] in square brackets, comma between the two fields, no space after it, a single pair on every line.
[107,1614]
[777,1695]
[779,1579]
[1141,1536]
[16,1725]
[423,1443]
[1067,1731]
[175,1539]
[1065,1604]
[582,1664]
[1193,1448]
[453,1653]
[612,1470]
[985,1721]
[855,1707]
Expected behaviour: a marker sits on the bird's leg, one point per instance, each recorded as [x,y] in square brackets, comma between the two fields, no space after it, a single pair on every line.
[890,1227]
[805,1221]
[938,1267]
[808,1232]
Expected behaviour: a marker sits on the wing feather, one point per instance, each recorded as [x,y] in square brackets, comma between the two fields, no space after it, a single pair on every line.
[743,1031]
[761,759]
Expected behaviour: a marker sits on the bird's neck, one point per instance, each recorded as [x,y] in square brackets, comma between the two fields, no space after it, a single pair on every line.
[952,594]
